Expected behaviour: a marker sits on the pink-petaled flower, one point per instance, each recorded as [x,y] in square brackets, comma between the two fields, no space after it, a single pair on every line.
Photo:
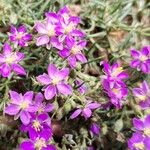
[68,24]
[117,93]
[47,31]
[21,106]
[138,142]
[73,51]
[39,143]
[55,82]
[9,62]
[114,73]
[95,129]
[142,125]
[141,59]
[142,95]
[19,36]
[42,106]
[39,125]
[85,111]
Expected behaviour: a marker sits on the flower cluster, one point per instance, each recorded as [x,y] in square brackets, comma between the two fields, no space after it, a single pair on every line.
[113,83]
[140,140]
[60,30]
[33,114]
[141,59]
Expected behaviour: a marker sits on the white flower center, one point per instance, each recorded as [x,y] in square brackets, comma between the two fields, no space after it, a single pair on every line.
[40,143]
[11,58]
[51,32]
[20,35]
[55,80]
[140,146]
[143,58]
[117,71]
[36,125]
[116,91]
[75,49]
[147,132]
[24,105]
[142,97]
[69,27]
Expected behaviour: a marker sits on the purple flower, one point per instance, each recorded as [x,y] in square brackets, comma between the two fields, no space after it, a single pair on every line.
[68,24]
[73,51]
[39,125]
[141,59]
[142,125]
[38,143]
[117,93]
[114,73]
[55,82]
[9,61]
[85,111]
[95,128]
[142,95]
[19,37]
[82,88]
[21,106]
[42,106]
[138,142]
[47,31]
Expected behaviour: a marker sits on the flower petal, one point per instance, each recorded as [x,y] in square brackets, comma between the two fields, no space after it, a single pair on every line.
[22,29]
[94,105]
[75,114]
[50,92]
[63,73]
[147,121]
[44,79]
[6,70]
[15,97]
[72,61]
[64,53]
[145,68]
[86,113]
[18,69]
[52,70]
[27,145]
[7,49]
[25,117]
[145,87]
[135,63]
[40,27]
[56,43]
[64,88]
[49,108]
[39,98]
[138,124]
[77,33]
[81,58]
[12,109]
[135,53]
[28,96]
[42,40]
